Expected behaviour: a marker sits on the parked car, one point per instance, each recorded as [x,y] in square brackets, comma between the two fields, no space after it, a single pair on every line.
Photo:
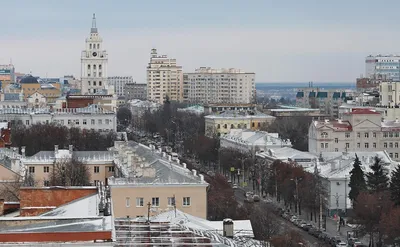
[341,244]
[235,186]
[256,198]
[294,217]
[307,227]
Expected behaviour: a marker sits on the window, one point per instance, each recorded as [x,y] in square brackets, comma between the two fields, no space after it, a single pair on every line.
[390,134]
[336,150]
[396,144]
[84,121]
[374,134]
[107,121]
[155,202]
[385,145]
[366,145]
[391,155]
[239,126]
[31,169]
[225,126]
[77,121]
[336,140]
[46,169]
[245,126]
[253,124]
[100,121]
[347,135]
[27,122]
[171,201]
[396,155]
[96,169]
[324,135]
[232,126]
[326,145]
[89,83]
[110,169]
[94,66]
[259,125]
[391,145]
[186,201]
[322,145]
[88,66]
[99,81]
[92,122]
[99,66]
[139,202]
[396,134]
[46,183]
[374,145]
[128,202]
[94,83]
[366,135]
[69,121]
[218,126]
[358,135]
[358,145]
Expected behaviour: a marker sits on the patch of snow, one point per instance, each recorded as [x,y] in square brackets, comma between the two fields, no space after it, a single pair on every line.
[79,208]
[46,207]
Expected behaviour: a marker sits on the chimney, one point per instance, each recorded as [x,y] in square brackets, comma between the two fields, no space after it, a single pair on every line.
[169,158]
[160,150]
[201,177]
[184,165]
[23,151]
[164,154]
[178,161]
[56,149]
[71,149]
[194,172]
[228,228]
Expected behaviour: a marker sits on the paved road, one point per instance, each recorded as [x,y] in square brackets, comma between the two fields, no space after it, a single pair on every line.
[284,224]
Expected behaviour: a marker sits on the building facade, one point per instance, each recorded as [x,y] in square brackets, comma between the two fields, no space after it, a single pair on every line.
[7,75]
[208,85]
[164,79]
[119,82]
[91,117]
[94,61]
[358,130]
[386,67]
[389,94]
[218,124]
[135,91]
[150,180]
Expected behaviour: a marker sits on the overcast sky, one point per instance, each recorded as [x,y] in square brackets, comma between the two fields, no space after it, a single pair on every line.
[281,41]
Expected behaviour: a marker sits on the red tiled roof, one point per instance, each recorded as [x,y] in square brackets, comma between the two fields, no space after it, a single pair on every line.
[363,111]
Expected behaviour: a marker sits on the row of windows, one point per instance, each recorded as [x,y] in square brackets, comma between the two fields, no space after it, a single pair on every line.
[46,169]
[155,201]
[366,134]
[239,126]
[94,82]
[94,46]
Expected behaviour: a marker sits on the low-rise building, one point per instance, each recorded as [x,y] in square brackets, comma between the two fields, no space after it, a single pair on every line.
[288,154]
[358,130]
[148,179]
[135,91]
[91,117]
[222,123]
[215,108]
[293,111]
[252,141]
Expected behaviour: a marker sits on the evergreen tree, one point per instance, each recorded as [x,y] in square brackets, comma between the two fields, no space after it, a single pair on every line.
[357,180]
[395,186]
[377,180]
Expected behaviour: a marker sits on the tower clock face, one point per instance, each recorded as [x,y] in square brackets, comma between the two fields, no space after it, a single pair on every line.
[94,54]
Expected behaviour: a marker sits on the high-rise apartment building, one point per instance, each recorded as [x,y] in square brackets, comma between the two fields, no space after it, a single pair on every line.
[135,91]
[386,67]
[94,64]
[208,85]
[164,79]
[119,82]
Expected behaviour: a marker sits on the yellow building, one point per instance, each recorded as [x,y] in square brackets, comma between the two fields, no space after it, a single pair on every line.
[155,183]
[30,85]
[223,122]
[100,164]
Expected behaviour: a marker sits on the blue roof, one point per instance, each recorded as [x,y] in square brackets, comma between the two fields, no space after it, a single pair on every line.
[300,95]
[322,95]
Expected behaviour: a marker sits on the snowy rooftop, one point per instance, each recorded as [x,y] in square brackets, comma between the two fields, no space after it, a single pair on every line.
[239,114]
[83,156]
[196,109]
[250,137]
[143,103]
[141,165]
[288,154]
[92,109]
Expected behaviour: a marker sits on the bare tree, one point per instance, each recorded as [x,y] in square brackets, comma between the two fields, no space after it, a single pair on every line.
[9,190]
[69,172]
[264,223]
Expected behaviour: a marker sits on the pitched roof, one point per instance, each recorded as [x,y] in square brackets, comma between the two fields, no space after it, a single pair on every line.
[362,111]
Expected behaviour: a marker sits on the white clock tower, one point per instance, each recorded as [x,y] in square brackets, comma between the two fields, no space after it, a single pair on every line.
[94,64]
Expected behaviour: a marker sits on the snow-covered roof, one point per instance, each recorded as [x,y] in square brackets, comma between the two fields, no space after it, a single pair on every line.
[82,207]
[3,125]
[239,115]
[250,137]
[196,109]
[143,103]
[288,154]
[83,156]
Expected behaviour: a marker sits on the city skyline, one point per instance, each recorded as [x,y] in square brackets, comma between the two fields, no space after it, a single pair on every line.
[292,42]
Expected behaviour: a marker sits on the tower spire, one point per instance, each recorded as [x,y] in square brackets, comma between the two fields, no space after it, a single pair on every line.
[94,28]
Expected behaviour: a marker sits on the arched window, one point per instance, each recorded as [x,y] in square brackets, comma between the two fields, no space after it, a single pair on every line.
[239,126]
[218,126]
[99,66]
[232,126]
[99,83]
[36,101]
[90,46]
[94,66]
[245,126]
[98,46]
[324,135]
[88,66]
[225,126]
[94,83]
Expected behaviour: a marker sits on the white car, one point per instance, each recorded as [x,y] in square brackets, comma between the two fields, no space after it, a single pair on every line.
[234,186]
[341,244]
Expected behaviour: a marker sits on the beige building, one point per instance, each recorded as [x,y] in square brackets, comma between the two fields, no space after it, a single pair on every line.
[150,180]
[358,130]
[389,94]
[208,85]
[222,123]
[100,164]
[164,78]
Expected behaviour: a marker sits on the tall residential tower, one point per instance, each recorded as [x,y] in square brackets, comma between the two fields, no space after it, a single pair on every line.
[94,64]
[164,78]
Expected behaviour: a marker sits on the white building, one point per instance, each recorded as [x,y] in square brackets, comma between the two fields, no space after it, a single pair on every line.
[252,141]
[91,117]
[208,85]
[383,66]
[94,63]
[358,130]
[288,154]
[119,82]
[139,107]
[164,78]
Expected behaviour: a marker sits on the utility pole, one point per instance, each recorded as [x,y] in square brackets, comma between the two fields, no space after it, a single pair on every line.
[148,212]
